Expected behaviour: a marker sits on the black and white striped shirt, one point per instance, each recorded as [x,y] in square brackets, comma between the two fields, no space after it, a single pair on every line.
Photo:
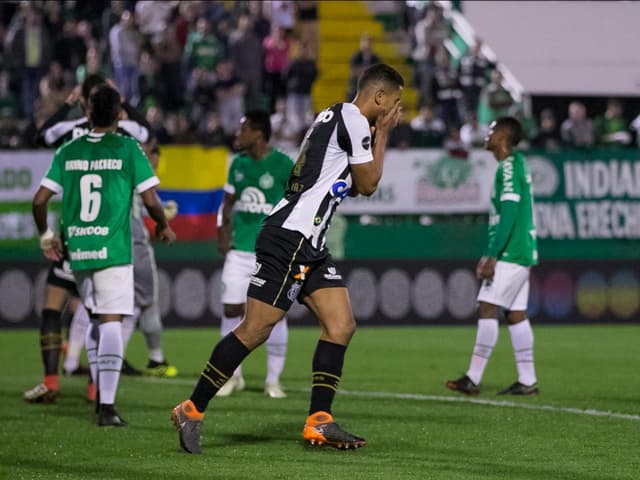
[321,178]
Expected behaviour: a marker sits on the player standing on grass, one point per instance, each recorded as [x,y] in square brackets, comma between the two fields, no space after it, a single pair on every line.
[257,180]
[504,269]
[338,157]
[98,174]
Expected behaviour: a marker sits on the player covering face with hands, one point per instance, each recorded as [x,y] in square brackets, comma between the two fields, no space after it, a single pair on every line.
[338,157]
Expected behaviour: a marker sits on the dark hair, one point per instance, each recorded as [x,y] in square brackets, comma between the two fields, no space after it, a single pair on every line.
[380,72]
[513,127]
[104,106]
[259,120]
[91,81]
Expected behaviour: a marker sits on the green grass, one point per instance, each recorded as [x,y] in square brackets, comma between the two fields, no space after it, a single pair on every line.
[249,436]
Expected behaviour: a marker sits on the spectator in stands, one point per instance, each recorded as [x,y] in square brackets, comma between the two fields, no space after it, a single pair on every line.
[53,89]
[611,128]
[125,44]
[178,129]
[473,74]
[495,100]
[281,134]
[245,51]
[429,34]
[454,145]
[201,95]
[223,32]
[92,65]
[307,25]
[428,130]
[203,50]
[446,92]
[472,133]
[577,130]
[167,50]
[276,57]
[634,127]
[299,77]
[283,15]
[211,133]
[151,88]
[8,101]
[360,60]
[70,50]
[153,17]
[155,119]
[229,91]
[548,137]
[261,23]
[29,51]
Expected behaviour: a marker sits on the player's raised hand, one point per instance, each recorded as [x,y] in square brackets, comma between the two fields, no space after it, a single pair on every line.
[388,120]
[165,234]
[74,96]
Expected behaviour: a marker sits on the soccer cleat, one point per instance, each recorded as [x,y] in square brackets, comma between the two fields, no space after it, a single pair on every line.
[188,422]
[161,369]
[234,384]
[518,388]
[128,369]
[463,385]
[40,394]
[92,392]
[274,390]
[320,429]
[108,417]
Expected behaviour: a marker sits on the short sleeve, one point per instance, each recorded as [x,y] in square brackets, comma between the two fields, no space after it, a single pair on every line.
[52,180]
[512,179]
[231,186]
[143,176]
[355,137]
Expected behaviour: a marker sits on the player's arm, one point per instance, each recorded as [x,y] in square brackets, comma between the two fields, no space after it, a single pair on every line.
[49,243]
[156,212]
[52,130]
[366,176]
[225,222]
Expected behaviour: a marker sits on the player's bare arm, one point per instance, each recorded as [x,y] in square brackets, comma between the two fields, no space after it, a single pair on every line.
[486,268]
[156,212]
[49,242]
[224,228]
[366,176]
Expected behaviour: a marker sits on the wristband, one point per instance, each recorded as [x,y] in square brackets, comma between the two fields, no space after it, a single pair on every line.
[46,239]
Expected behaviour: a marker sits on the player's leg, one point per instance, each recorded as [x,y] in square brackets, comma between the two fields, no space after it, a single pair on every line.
[225,358]
[77,333]
[109,294]
[236,274]
[522,342]
[486,339]
[332,308]
[50,344]
[276,346]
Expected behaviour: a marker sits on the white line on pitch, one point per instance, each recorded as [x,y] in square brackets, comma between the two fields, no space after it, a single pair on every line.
[442,398]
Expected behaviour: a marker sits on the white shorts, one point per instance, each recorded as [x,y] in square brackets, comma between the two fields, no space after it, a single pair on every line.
[237,271]
[109,290]
[509,288]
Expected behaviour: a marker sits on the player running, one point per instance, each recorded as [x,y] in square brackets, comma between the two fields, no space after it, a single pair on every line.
[98,174]
[338,157]
[504,269]
[257,180]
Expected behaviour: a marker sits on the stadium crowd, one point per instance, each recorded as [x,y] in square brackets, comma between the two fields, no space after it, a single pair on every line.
[193,67]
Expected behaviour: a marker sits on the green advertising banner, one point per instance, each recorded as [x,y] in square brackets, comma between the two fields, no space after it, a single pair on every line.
[587,195]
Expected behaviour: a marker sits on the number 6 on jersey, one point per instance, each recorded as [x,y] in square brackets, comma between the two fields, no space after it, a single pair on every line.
[90,199]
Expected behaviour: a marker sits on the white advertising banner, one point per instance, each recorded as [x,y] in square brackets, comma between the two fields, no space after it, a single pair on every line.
[21,172]
[419,181]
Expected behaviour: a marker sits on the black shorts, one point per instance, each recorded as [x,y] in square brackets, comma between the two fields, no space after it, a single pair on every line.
[289,268]
[60,275]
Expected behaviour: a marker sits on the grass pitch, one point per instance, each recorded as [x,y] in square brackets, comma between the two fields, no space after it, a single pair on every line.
[585,424]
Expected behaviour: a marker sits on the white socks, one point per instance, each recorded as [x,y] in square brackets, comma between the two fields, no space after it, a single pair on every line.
[486,339]
[77,331]
[128,326]
[91,345]
[110,352]
[226,326]
[277,351]
[522,341]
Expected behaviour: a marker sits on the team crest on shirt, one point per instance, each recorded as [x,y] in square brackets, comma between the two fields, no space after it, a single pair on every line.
[366,142]
[266,181]
[239,176]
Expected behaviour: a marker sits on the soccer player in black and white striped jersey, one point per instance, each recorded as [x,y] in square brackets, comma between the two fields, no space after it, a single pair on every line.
[342,154]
